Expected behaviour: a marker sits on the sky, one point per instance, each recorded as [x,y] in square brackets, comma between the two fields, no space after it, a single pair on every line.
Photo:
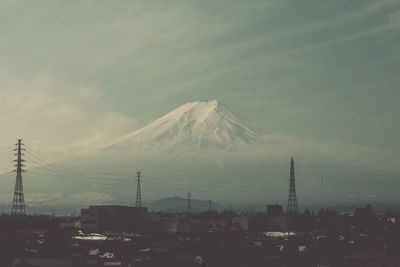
[76,75]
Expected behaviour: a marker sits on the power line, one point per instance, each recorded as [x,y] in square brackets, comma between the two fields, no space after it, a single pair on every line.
[228,178]
[54,172]
[305,178]
[56,169]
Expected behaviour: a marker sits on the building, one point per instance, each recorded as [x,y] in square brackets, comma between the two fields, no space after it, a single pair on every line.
[70,223]
[276,220]
[277,223]
[273,220]
[275,210]
[114,218]
[241,221]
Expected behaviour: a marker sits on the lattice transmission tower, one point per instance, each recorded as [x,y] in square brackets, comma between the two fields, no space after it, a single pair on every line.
[138,190]
[18,205]
[292,207]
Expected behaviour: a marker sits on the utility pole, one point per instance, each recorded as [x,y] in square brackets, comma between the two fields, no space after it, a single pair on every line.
[209,205]
[322,193]
[18,205]
[188,202]
[138,190]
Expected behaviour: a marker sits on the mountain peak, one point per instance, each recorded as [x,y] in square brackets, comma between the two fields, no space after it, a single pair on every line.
[194,125]
[212,102]
[203,107]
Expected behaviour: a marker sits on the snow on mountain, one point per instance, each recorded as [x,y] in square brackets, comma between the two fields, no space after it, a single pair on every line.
[199,124]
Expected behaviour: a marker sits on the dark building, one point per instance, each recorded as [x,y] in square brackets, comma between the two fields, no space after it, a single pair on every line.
[275,210]
[114,218]
[364,212]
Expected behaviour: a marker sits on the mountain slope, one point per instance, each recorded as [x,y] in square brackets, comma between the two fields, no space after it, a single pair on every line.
[199,124]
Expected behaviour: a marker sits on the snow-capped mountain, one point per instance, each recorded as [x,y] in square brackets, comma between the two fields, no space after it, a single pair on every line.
[199,124]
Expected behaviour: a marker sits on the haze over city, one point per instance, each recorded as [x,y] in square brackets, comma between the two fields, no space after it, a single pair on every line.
[208,97]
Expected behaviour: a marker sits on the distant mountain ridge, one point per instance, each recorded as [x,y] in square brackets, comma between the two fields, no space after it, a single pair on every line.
[192,126]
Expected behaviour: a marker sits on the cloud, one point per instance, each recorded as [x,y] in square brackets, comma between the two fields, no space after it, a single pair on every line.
[83,199]
[59,199]
[56,125]
[271,147]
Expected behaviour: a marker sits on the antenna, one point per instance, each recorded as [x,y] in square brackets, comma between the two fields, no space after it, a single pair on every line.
[138,190]
[18,205]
